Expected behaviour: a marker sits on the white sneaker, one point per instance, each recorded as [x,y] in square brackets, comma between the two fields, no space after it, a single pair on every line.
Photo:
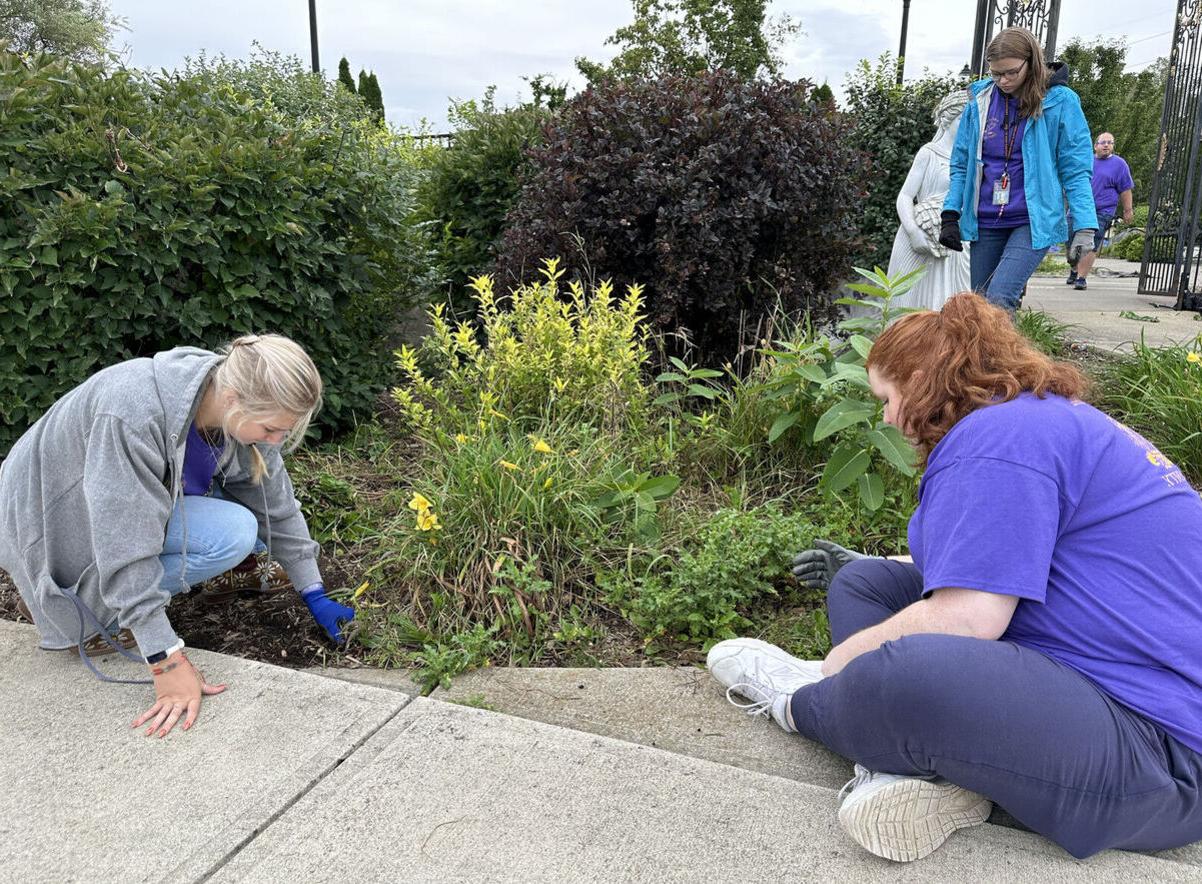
[906,818]
[762,673]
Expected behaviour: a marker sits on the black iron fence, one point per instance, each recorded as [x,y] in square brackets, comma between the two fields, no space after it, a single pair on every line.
[1170,262]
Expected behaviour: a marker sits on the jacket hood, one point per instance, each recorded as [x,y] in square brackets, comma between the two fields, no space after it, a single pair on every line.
[1059,77]
[178,376]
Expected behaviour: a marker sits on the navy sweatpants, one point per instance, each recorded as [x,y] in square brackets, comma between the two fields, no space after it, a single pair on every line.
[1040,739]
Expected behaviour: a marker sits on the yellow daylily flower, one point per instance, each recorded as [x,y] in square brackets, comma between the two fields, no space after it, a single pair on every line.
[460,438]
[542,447]
[508,465]
[547,484]
[419,503]
[1193,357]
[428,521]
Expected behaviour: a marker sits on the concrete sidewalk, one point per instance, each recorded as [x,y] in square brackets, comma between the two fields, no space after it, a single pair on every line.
[1096,314]
[291,776]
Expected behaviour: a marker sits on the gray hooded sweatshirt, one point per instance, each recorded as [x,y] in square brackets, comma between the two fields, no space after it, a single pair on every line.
[86,493]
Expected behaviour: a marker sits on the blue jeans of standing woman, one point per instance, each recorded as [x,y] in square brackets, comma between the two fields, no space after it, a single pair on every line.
[1000,262]
[220,534]
[1000,719]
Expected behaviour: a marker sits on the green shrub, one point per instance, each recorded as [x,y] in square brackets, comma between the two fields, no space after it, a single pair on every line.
[725,198]
[1129,248]
[146,212]
[472,185]
[1158,392]
[572,360]
[734,561]
[889,124]
[527,475]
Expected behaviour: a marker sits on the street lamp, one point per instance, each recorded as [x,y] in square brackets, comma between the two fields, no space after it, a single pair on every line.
[901,50]
[313,35]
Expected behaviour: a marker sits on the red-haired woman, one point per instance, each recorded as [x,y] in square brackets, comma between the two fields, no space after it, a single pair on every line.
[1042,651]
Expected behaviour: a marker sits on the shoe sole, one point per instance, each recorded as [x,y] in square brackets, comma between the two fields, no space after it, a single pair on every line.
[911,818]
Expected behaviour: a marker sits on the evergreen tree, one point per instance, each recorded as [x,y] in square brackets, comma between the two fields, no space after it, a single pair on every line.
[363,87]
[823,94]
[344,75]
[375,101]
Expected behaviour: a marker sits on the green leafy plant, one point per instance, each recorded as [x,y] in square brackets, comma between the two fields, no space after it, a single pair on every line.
[544,356]
[822,368]
[706,592]
[1158,391]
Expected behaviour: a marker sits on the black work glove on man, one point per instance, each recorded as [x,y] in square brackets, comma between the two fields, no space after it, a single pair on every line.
[949,230]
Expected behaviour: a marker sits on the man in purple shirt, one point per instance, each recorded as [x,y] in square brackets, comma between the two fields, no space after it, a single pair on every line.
[1112,186]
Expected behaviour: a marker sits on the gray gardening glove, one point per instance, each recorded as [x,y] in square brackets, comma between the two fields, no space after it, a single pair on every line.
[1081,245]
[816,568]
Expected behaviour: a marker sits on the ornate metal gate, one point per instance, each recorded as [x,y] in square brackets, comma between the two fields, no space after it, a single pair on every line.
[1040,17]
[1170,262]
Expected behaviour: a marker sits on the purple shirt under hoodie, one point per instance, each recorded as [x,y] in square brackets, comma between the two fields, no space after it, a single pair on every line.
[993,155]
[1093,529]
[200,463]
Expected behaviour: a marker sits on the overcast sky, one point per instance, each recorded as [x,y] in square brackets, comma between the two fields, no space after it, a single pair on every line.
[425,52]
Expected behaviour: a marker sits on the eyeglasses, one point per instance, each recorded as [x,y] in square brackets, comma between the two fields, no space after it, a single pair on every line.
[1007,75]
[1102,143]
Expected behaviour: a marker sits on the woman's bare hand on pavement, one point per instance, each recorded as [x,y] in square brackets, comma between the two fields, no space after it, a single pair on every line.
[177,694]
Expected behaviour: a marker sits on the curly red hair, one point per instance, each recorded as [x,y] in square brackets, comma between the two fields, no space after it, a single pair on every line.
[962,358]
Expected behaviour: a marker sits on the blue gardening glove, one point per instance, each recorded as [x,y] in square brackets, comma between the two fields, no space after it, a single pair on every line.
[329,614]
[1081,245]
[816,568]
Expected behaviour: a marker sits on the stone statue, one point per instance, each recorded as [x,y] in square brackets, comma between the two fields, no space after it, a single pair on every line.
[918,206]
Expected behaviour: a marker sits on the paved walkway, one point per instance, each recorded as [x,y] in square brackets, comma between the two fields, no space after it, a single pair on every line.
[1110,314]
[569,775]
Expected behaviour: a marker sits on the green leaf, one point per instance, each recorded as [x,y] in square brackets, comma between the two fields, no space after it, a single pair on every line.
[660,487]
[860,344]
[703,392]
[872,491]
[782,423]
[843,414]
[893,447]
[671,376]
[846,464]
[810,372]
[666,399]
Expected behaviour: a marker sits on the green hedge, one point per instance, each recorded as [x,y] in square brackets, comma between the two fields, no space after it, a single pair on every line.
[144,212]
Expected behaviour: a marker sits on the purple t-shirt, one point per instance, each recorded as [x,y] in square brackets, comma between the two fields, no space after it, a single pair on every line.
[993,156]
[1111,177]
[200,463]
[1093,529]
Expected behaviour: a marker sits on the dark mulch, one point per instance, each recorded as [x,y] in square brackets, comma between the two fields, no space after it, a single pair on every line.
[276,630]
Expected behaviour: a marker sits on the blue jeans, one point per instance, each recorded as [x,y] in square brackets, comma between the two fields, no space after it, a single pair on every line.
[1040,739]
[221,534]
[1000,262]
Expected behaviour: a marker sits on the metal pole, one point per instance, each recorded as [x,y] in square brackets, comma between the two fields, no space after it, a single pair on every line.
[313,35]
[984,9]
[901,50]
[1052,27]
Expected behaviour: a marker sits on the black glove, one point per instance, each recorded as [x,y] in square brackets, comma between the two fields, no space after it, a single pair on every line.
[816,568]
[949,230]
